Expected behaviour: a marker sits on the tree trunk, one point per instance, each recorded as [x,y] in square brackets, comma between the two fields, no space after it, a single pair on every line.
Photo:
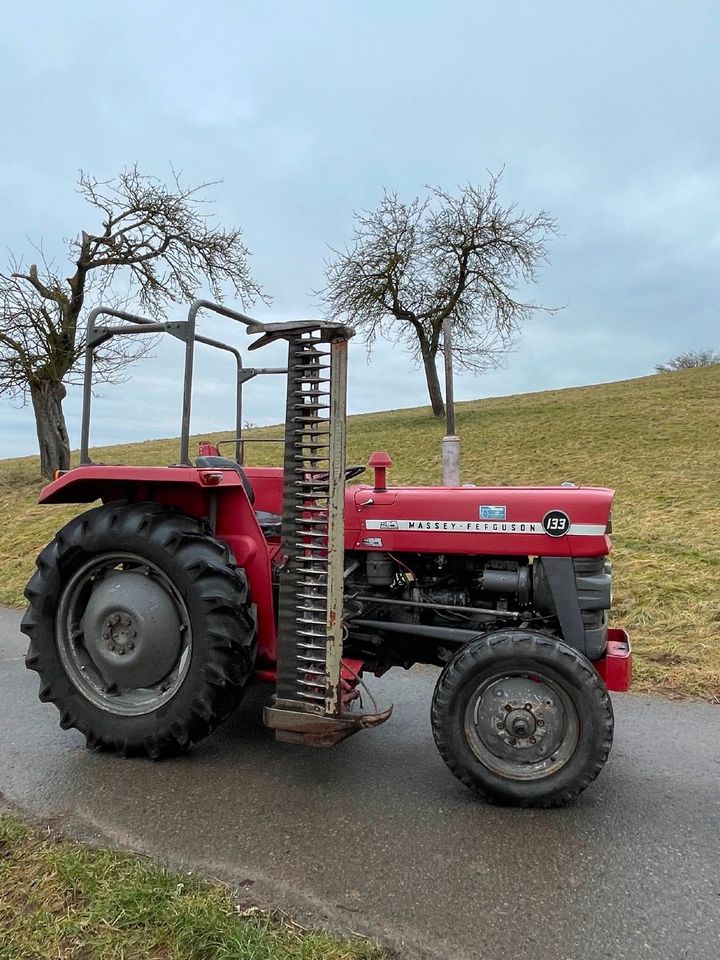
[47,397]
[433,383]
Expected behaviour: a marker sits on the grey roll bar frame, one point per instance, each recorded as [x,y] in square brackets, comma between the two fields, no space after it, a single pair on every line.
[184,330]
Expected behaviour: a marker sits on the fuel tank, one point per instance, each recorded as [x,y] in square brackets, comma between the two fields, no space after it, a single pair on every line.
[562,521]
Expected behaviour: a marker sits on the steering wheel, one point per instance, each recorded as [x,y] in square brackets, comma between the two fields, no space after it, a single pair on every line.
[354,470]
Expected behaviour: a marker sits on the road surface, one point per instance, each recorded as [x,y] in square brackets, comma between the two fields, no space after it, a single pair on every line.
[376,836]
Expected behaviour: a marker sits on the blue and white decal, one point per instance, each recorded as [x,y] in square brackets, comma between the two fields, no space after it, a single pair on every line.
[488,512]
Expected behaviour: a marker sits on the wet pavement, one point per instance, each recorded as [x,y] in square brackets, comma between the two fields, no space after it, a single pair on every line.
[376,836]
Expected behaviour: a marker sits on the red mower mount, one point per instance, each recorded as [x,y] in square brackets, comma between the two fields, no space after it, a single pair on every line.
[150,614]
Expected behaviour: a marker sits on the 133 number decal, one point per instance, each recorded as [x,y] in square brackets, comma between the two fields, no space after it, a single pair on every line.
[556,523]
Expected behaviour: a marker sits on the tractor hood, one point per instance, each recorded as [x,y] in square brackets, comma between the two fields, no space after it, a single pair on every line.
[515,521]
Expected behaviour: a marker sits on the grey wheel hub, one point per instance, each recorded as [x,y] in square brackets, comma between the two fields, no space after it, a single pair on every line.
[522,727]
[131,629]
[123,634]
[518,725]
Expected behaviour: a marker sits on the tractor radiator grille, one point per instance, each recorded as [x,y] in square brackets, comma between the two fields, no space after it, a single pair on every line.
[310,604]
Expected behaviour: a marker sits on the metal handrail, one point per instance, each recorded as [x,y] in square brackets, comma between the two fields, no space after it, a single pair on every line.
[184,330]
[242,377]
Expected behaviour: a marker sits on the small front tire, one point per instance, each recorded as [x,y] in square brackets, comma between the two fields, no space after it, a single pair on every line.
[523,719]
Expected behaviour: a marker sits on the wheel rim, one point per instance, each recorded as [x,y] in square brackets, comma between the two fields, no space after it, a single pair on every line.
[123,634]
[522,726]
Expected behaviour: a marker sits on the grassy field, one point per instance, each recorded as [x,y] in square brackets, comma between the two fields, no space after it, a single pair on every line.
[655,439]
[60,900]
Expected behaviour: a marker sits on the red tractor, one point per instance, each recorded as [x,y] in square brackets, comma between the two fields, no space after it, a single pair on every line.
[149,615]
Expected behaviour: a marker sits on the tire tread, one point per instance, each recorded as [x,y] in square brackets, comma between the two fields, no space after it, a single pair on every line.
[501,644]
[220,587]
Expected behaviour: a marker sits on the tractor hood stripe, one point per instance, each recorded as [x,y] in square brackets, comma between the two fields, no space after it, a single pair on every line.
[482,526]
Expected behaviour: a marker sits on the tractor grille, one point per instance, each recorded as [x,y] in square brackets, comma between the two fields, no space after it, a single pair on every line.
[310,605]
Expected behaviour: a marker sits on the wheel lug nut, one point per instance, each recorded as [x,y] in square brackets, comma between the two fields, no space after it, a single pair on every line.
[533,740]
[528,706]
[513,741]
[541,723]
[130,645]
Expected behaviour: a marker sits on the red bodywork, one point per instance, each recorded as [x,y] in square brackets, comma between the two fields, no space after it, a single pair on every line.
[447,520]
[616,666]
[396,520]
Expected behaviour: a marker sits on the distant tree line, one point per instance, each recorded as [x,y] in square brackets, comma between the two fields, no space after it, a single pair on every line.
[684,361]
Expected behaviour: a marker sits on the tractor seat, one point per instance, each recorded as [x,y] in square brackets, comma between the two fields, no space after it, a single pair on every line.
[269,522]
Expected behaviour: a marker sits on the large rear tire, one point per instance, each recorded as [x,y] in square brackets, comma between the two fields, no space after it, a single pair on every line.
[523,719]
[140,628]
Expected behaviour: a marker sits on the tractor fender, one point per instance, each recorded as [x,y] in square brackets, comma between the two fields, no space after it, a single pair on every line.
[97,481]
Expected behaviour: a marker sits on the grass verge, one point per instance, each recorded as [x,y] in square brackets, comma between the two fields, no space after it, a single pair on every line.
[655,440]
[62,901]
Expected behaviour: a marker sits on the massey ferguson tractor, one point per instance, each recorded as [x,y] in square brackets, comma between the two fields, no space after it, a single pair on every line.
[150,614]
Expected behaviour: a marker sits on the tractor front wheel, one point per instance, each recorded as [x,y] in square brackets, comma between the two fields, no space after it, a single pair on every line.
[140,628]
[522,718]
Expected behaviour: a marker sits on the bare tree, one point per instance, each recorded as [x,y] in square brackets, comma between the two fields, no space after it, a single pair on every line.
[693,358]
[411,266]
[154,239]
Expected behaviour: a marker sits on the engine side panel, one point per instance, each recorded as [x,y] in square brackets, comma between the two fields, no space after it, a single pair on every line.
[492,521]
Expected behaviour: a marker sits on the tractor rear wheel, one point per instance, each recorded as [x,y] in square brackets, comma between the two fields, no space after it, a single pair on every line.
[522,718]
[140,628]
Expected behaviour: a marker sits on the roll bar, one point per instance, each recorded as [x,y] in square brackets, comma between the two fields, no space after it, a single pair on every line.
[184,330]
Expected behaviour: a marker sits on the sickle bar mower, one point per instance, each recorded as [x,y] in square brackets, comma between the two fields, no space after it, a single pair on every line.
[308,704]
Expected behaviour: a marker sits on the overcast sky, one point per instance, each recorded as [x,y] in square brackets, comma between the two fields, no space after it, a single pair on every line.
[604,113]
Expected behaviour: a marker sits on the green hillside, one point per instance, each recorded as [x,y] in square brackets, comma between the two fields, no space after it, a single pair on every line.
[656,440]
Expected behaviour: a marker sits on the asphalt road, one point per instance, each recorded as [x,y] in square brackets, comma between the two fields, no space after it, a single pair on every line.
[377,837]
